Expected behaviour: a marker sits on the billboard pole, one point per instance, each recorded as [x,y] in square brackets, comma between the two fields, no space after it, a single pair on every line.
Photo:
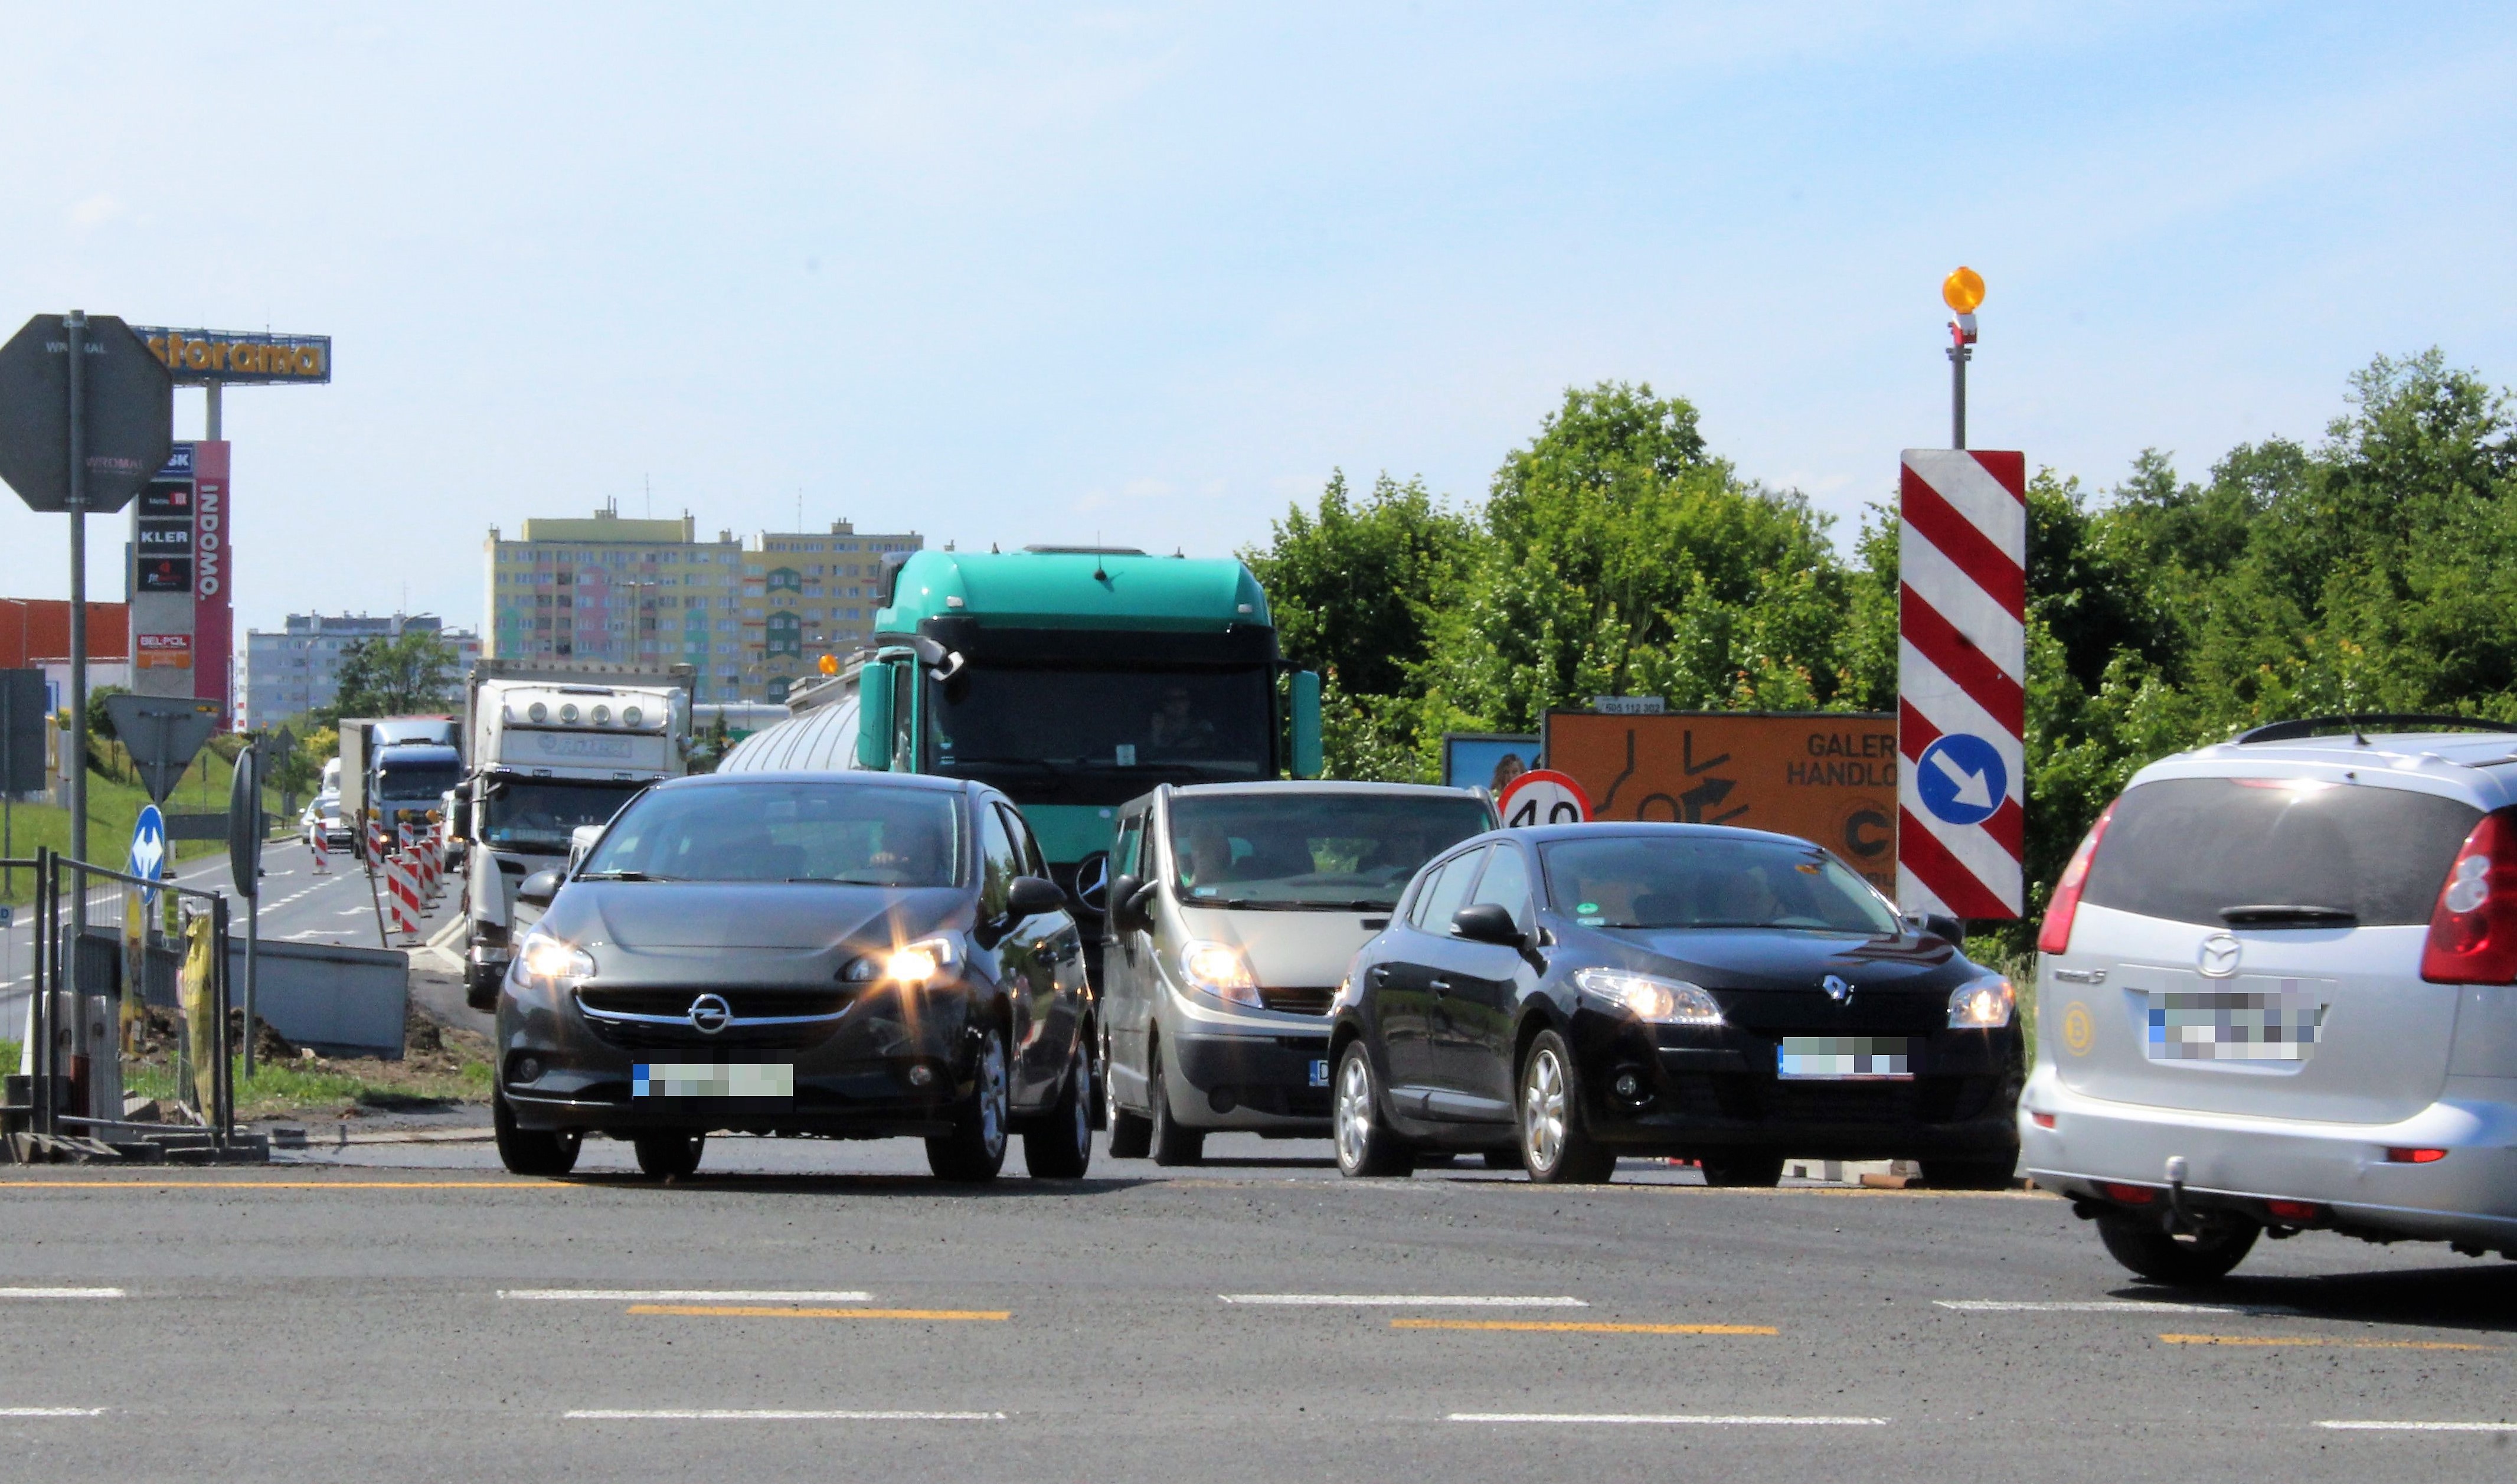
[210,420]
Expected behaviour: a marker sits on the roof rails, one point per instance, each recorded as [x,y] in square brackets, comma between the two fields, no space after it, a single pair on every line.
[2358,722]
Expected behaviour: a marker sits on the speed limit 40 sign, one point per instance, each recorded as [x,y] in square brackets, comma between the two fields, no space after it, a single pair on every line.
[1543,796]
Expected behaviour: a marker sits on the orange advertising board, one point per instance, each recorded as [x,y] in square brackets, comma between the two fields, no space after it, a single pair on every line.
[1825,775]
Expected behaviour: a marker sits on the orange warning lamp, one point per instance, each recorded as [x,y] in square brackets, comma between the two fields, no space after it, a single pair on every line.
[829,664]
[1962,290]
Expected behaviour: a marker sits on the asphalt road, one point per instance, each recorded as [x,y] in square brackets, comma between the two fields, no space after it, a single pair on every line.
[319,1321]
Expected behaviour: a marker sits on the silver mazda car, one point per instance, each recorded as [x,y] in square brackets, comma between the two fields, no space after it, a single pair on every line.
[801,954]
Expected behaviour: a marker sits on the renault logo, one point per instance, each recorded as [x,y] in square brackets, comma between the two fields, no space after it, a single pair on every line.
[1836,988]
[710,1014]
[2219,956]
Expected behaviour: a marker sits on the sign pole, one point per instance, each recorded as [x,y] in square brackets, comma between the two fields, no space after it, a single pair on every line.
[73,326]
[211,419]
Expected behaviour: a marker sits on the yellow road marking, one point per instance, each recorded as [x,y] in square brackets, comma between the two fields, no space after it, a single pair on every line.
[764,1311]
[1577,1327]
[2308,1339]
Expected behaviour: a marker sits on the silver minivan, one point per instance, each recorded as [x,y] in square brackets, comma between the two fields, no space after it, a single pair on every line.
[1233,911]
[2277,993]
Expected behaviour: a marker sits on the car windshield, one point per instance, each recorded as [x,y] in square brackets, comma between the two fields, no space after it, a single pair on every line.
[414,781]
[860,834]
[1326,851]
[1703,881]
[537,815]
[1077,736]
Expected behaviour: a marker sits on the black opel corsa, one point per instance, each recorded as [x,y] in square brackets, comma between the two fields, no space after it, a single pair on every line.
[1560,995]
[843,955]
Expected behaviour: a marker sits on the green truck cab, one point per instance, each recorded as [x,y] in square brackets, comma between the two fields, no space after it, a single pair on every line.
[1074,679]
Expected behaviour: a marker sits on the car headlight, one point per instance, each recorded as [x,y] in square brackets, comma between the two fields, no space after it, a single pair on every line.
[1645,997]
[910,963]
[1218,969]
[1981,1004]
[552,960]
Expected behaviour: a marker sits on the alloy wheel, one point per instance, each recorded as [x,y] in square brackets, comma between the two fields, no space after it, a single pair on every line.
[1543,1109]
[1353,1110]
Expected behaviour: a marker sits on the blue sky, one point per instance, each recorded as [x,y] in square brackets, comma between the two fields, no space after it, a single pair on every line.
[1148,273]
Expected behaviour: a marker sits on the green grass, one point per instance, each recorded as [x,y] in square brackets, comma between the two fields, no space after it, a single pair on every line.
[113,806]
[9,1051]
[281,1089]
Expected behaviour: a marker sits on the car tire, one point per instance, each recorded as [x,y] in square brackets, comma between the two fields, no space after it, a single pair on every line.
[1556,1148]
[669,1156]
[1173,1145]
[1366,1146]
[2204,1258]
[1972,1175]
[1743,1172]
[975,1150]
[1059,1146]
[1131,1135]
[532,1151]
[481,987]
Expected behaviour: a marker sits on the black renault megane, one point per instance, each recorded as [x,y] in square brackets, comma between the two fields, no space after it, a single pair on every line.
[1562,996]
[846,955]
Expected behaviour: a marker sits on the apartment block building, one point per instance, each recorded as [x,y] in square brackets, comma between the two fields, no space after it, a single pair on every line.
[292,670]
[749,614]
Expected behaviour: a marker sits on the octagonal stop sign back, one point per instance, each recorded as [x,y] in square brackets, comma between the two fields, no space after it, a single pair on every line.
[127,424]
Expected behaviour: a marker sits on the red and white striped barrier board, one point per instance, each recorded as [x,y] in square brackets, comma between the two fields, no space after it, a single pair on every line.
[323,848]
[1961,682]
[402,891]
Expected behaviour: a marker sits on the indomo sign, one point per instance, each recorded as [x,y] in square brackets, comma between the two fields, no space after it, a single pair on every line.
[238,357]
[1827,776]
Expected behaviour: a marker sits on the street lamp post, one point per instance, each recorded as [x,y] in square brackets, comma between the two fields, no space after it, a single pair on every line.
[1962,292]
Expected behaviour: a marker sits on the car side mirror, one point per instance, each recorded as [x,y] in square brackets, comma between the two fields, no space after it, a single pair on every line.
[1487,922]
[537,889]
[1124,917]
[1940,925]
[1032,897]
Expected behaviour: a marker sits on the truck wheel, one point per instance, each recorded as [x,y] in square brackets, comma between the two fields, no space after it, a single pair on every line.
[2183,1261]
[975,1150]
[532,1152]
[1173,1144]
[1059,1147]
[669,1155]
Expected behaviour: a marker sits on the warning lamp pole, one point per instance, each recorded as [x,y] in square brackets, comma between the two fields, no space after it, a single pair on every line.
[1962,292]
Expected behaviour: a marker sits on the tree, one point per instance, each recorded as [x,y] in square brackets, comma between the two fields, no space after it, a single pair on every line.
[412,672]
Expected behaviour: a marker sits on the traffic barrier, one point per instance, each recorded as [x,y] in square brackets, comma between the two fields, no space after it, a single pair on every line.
[402,894]
[322,850]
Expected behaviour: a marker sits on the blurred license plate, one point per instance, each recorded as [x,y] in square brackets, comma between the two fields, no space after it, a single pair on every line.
[713,1079]
[1319,1073]
[1840,1058]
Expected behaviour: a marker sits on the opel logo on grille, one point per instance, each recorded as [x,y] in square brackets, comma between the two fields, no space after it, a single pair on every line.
[710,1014]
[2219,956]
[1836,988]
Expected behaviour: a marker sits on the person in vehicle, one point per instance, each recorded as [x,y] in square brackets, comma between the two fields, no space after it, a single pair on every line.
[1177,727]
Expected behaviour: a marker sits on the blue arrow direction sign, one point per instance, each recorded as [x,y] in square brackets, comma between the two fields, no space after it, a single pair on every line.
[1961,779]
[150,852]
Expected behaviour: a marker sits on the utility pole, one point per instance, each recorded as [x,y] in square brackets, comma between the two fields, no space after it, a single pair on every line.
[1963,293]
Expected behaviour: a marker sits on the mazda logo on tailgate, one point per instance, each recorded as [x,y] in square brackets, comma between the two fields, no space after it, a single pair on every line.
[2219,957]
[710,1014]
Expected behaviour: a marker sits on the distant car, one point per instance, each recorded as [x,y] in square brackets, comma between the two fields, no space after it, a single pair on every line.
[1566,994]
[324,814]
[1233,911]
[2274,992]
[845,955]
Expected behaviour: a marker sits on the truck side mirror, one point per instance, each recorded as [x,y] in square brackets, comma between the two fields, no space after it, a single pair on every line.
[461,819]
[537,889]
[1305,699]
[874,717]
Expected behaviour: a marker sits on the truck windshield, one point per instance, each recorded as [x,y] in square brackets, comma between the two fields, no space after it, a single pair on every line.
[1327,850]
[848,834]
[537,815]
[1074,735]
[414,781]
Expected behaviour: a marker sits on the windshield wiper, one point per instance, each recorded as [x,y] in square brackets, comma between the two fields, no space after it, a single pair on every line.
[839,881]
[2269,914]
[622,875]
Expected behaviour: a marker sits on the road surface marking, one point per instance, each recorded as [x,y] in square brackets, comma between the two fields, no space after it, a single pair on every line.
[2420,1427]
[1665,1420]
[687,1296]
[762,1311]
[7,1183]
[61,1293]
[1408,1300]
[51,1412]
[731,1414]
[1567,1326]
[2097,1306]
[2319,1342]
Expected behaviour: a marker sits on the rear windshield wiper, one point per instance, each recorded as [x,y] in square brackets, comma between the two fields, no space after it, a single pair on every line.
[2274,915]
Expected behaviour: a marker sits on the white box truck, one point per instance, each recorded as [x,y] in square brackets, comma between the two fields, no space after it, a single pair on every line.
[553,747]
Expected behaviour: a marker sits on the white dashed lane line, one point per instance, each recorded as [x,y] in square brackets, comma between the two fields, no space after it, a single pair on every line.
[50,1292]
[15,1412]
[687,1296]
[766,1414]
[2343,1426]
[1662,1420]
[2102,1306]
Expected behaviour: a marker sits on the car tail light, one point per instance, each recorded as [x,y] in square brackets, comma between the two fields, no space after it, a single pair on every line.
[2295,1211]
[2473,930]
[2064,904]
[2128,1194]
[2043,1119]
[2414,1156]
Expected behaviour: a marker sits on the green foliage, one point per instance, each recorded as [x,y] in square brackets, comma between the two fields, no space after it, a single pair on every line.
[412,672]
[1615,555]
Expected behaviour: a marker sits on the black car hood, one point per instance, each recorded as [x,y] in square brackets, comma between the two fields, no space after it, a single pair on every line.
[1767,959]
[802,918]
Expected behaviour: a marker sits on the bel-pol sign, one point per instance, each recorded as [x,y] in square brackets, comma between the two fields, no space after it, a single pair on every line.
[1961,682]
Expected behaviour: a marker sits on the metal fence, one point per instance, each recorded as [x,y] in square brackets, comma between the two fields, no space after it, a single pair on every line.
[129,996]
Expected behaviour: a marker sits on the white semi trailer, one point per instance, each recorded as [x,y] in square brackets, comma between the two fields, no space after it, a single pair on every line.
[553,747]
